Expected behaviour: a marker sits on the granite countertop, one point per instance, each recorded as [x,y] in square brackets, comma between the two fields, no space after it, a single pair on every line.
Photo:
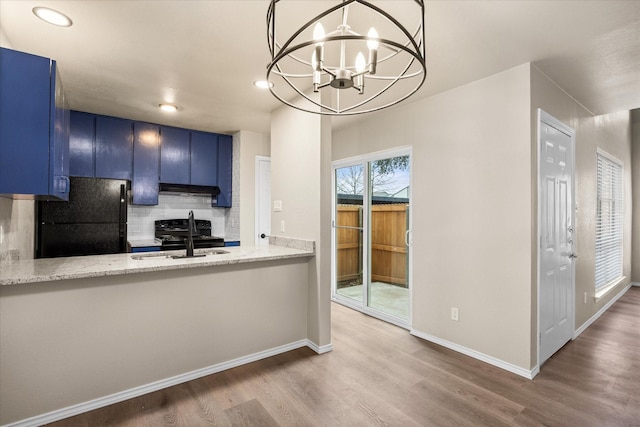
[52,269]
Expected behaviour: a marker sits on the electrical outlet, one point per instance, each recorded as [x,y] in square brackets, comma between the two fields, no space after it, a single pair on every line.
[585,297]
[455,314]
[282,226]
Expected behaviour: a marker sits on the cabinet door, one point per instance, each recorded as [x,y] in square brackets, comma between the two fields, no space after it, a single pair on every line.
[204,158]
[59,138]
[25,85]
[225,170]
[114,147]
[146,162]
[174,155]
[81,144]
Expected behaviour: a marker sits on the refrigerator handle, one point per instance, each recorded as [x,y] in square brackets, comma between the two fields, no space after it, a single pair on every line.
[123,218]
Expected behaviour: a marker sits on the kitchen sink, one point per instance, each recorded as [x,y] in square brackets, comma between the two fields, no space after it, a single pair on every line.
[180,255]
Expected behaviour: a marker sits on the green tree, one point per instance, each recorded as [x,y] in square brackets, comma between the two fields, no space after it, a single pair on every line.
[350,180]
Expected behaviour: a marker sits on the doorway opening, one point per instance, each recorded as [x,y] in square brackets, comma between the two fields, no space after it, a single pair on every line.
[371,260]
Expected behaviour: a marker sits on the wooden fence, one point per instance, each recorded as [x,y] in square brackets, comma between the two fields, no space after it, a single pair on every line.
[388,249]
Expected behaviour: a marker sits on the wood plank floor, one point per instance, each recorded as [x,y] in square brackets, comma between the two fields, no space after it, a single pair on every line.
[378,374]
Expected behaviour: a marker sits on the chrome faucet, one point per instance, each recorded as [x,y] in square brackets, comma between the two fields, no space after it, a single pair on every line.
[192,226]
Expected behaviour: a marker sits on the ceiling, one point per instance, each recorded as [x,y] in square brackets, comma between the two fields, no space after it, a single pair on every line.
[123,58]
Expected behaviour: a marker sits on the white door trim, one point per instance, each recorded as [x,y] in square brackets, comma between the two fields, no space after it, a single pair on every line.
[364,160]
[257,197]
[544,117]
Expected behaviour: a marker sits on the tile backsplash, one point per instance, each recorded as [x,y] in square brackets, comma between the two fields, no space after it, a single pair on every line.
[225,222]
[140,221]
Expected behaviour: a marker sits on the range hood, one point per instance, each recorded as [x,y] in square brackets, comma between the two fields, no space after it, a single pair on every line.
[189,189]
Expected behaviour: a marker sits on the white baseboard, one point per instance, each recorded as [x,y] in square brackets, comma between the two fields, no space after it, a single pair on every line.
[319,349]
[635,283]
[600,312]
[529,374]
[101,402]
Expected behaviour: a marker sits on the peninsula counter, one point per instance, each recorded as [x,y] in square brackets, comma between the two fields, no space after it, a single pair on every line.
[81,333]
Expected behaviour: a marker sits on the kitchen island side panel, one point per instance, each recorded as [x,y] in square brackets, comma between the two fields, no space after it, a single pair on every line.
[72,341]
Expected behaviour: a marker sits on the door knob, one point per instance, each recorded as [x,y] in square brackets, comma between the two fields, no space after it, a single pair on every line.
[262,236]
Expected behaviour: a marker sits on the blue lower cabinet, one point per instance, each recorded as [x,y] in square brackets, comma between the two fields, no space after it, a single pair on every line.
[34,128]
[146,164]
[114,147]
[146,249]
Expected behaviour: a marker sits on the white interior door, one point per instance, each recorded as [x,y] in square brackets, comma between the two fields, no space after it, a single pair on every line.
[556,272]
[263,200]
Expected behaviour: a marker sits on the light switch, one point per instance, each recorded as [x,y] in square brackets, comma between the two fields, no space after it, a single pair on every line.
[277,205]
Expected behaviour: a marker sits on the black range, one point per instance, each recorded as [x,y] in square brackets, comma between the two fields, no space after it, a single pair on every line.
[174,232]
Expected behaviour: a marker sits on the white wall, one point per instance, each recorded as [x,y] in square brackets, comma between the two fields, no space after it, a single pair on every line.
[4,42]
[472,206]
[301,179]
[635,161]
[251,144]
[611,133]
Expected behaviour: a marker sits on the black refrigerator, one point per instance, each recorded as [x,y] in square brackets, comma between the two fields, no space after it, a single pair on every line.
[92,222]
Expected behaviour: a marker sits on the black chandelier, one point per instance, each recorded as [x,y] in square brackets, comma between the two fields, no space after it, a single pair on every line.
[312,60]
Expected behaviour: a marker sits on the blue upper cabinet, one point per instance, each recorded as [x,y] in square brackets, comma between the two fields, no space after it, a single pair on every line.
[175,155]
[114,147]
[150,154]
[146,163]
[81,145]
[225,170]
[204,158]
[34,128]
[59,139]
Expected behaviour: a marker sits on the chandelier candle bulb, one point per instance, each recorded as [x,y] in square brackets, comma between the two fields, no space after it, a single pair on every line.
[372,44]
[318,35]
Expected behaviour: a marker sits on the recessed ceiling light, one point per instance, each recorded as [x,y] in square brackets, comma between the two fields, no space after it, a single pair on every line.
[52,16]
[170,108]
[262,84]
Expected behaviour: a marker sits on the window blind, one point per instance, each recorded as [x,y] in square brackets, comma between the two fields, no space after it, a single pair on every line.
[609,219]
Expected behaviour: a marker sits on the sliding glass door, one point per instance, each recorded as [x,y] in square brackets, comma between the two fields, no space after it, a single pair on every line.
[371,235]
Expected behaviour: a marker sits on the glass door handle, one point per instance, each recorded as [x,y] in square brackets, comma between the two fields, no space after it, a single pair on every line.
[406,238]
[333,225]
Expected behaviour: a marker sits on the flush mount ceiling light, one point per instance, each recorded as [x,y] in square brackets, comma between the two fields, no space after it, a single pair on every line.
[262,84]
[364,55]
[52,16]
[169,108]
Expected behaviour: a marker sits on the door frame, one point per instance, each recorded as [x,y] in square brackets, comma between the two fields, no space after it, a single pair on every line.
[364,159]
[257,188]
[544,117]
